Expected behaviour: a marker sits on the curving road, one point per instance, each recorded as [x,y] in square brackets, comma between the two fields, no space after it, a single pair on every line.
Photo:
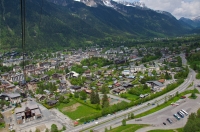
[119,116]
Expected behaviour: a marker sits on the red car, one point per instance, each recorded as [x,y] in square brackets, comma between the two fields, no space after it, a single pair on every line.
[183,97]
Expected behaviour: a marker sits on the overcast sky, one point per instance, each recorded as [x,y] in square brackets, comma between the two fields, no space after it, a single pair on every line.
[178,8]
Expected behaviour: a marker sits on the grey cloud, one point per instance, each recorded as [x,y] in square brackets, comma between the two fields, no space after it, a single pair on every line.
[178,8]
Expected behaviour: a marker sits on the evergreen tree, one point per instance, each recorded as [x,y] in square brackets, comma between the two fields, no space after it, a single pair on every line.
[123,122]
[193,95]
[67,70]
[83,95]
[145,86]
[92,97]
[76,95]
[102,89]
[97,98]
[132,116]
[105,101]
[54,128]
[167,75]
[61,99]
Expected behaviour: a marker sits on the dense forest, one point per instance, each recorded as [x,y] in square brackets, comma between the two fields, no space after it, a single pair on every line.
[194,61]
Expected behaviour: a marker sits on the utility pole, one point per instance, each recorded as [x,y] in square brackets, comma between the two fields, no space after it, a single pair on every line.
[23,15]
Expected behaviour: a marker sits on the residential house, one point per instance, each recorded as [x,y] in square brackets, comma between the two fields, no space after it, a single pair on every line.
[17,69]
[134,69]
[51,102]
[88,91]
[75,88]
[56,76]
[119,90]
[72,74]
[155,85]
[12,97]
[9,88]
[6,76]
[17,77]
[40,97]
[45,78]
[126,72]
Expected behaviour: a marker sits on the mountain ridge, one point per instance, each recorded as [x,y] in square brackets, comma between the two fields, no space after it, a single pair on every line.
[68,23]
[195,22]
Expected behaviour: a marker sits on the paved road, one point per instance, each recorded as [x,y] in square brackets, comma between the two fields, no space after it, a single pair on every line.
[156,119]
[116,118]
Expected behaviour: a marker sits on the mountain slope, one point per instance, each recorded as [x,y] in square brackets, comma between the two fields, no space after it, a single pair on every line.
[192,22]
[68,23]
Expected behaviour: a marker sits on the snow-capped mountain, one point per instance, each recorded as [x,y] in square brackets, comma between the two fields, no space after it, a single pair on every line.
[133,4]
[109,3]
[197,19]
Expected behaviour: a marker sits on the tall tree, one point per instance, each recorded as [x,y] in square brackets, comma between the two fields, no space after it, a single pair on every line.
[76,94]
[92,97]
[54,128]
[83,95]
[105,101]
[97,99]
[145,86]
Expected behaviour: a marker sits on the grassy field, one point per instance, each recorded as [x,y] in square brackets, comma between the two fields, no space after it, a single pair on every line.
[132,97]
[171,130]
[76,110]
[127,128]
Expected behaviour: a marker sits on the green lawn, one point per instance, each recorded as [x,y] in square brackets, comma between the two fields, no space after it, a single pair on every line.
[171,130]
[132,97]
[81,111]
[127,128]
[76,110]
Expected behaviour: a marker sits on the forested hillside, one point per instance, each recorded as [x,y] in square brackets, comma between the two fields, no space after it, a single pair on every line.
[76,25]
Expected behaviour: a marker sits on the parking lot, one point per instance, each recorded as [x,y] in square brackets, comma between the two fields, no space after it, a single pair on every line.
[157,119]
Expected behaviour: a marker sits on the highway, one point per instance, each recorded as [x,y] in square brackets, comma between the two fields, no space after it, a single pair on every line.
[119,116]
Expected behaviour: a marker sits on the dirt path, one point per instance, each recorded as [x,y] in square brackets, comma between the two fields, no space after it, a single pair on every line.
[71,108]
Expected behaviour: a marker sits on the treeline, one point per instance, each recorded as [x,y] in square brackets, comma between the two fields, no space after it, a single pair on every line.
[149,57]
[96,61]
[194,61]
[193,122]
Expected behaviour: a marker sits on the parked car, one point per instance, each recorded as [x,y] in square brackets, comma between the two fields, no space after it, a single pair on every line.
[169,120]
[164,123]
